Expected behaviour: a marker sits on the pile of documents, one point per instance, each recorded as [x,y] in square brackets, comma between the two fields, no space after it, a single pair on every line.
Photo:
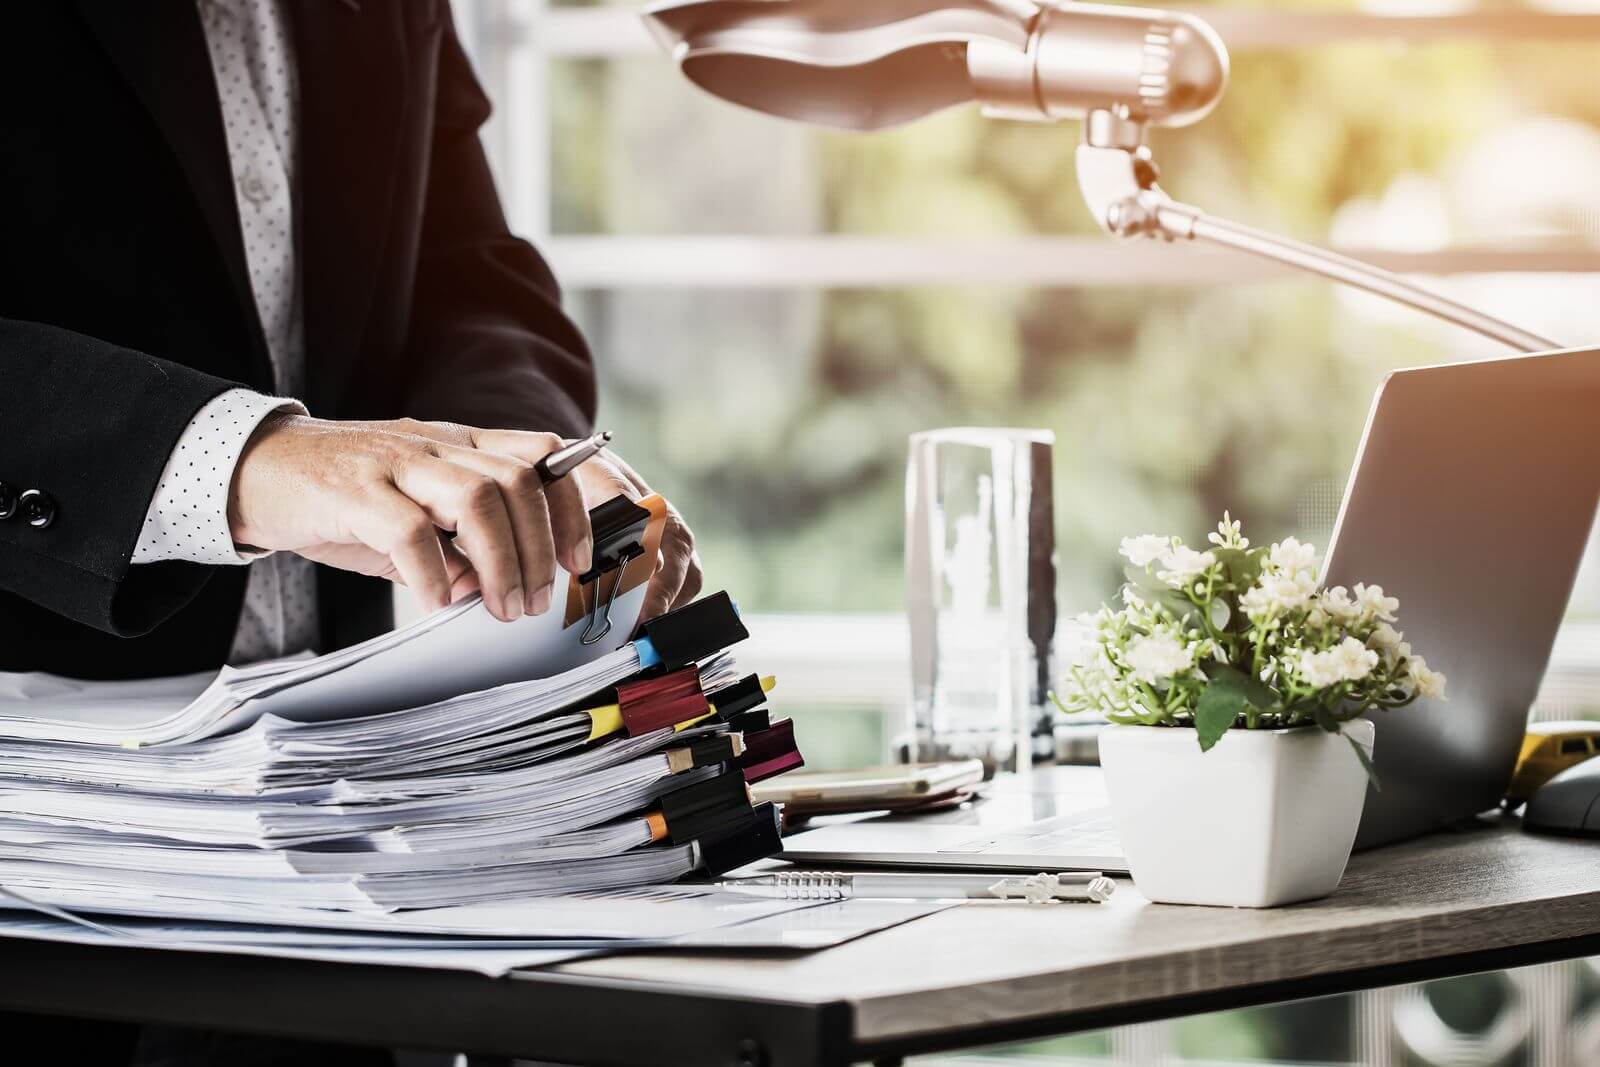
[457,763]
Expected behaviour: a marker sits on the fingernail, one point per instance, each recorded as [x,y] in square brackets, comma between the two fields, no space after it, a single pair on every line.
[540,602]
[585,555]
[511,606]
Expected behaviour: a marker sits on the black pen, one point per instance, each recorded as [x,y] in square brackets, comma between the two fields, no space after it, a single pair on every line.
[563,461]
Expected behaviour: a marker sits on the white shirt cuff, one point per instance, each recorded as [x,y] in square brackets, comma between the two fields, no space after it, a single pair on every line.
[188,517]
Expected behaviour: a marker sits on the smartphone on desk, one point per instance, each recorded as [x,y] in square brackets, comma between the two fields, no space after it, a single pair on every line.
[894,787]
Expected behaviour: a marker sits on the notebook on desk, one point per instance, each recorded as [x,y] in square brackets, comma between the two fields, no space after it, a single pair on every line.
[1058,821]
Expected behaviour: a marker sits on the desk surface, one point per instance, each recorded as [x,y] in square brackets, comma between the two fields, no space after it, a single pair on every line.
[1441,900]
[1477,900]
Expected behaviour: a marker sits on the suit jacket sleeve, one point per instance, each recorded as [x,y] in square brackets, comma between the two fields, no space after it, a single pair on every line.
[489,344]
[91,425]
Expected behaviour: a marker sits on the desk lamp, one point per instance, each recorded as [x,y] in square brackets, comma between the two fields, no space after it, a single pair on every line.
[871,64]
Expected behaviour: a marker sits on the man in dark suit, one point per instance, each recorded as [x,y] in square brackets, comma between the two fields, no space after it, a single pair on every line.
[126,305]
[257,295]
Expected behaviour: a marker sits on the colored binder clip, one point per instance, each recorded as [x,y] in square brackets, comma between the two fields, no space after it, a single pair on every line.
[749,839]
[618,528]
[666,700]
[704,806]
[770,752]
[690,633]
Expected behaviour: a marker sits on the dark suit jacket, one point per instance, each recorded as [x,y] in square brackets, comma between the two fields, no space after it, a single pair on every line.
[125,303]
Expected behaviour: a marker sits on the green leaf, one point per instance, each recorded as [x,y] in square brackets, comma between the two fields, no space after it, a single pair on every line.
[1261,696]
[1366,762]
[1218,707]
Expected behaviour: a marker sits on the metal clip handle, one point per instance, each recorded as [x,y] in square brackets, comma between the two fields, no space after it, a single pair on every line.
[600,615]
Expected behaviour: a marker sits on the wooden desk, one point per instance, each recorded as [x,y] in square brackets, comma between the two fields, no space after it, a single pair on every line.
[1449,904]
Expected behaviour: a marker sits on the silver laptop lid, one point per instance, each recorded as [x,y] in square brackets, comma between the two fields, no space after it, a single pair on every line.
[1472,499]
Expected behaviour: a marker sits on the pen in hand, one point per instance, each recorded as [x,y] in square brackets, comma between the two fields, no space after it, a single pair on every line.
[563,461]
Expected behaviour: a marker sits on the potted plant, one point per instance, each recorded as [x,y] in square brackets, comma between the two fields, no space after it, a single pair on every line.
[1238,756]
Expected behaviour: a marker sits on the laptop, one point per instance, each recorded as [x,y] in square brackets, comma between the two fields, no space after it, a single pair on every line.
[1472,499]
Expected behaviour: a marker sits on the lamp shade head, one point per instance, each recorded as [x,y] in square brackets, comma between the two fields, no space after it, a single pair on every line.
[851,64]
[869,64]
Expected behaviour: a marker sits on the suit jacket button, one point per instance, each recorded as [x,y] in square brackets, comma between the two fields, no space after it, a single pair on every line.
[36,508]
[8,501]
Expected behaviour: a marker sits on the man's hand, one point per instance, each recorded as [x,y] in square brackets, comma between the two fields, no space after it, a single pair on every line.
[375,497]
[678,576]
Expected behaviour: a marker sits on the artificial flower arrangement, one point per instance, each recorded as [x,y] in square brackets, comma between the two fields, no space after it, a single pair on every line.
[1235,636]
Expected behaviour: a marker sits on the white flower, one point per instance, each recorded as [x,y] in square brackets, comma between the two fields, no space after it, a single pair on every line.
[1280,592]
[1338,606]
[1158,656]
[1374,604]
[1145,549]
[1390,642]
[1428,683]
[1349,661]
[1081,644]
[1228,533]
[1353,660]
[1292,556]
[1386,639]
[1317,669]
[1181,565]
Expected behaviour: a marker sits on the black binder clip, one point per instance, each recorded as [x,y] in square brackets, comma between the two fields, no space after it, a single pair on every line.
[688,634]
[618,528]
[699,808]
[731,846]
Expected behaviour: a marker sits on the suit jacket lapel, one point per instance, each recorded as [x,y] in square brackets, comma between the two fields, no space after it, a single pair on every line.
[352,63]
[160,48]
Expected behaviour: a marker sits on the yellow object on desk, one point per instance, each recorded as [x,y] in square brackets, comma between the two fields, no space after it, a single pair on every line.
[1548,749]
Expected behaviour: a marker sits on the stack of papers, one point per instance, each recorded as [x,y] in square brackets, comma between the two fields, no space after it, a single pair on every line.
[398,788]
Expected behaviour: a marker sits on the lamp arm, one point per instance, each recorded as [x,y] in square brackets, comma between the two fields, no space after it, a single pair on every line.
[1119,184]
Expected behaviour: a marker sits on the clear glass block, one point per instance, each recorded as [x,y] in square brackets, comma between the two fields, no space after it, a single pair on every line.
[980,592]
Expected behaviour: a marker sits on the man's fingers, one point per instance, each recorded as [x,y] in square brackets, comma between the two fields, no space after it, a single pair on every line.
[677,576]
[390,523]
[538,536]
[470,503]
[463,579]
[627,472]
[603,480]
[563,498]
[693,581]
[569,520]
[657,597]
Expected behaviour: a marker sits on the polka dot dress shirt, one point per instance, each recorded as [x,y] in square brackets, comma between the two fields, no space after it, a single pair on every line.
[188,516]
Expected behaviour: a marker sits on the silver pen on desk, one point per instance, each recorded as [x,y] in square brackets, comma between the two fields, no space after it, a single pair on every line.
[564,460]
[1089,887]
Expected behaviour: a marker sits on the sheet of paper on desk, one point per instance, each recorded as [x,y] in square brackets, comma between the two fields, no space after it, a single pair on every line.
[650,913]
[485,939]
[172,936]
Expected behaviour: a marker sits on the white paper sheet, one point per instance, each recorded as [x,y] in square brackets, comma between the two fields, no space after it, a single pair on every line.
[665,917]
[461,649]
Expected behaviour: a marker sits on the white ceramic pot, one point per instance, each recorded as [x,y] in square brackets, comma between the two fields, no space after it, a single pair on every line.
[1266,817]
